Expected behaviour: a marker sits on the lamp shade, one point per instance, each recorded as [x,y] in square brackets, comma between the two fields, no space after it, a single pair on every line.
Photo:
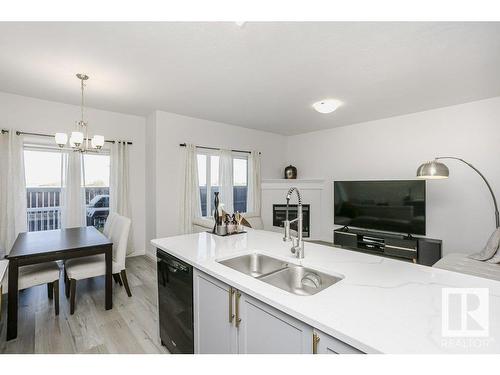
[76,139]
[433,170]
[97,141]
[61,139]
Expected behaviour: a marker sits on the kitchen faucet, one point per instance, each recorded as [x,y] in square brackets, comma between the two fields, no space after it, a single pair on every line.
[298,242]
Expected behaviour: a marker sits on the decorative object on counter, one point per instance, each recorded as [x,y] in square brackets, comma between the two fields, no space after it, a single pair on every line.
[239,219]
[290,173]
[216,211]
[229,225]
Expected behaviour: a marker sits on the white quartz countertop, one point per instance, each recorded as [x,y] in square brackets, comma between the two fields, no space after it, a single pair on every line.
[381,306]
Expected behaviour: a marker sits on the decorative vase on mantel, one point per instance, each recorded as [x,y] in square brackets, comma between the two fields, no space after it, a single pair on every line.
[290,173]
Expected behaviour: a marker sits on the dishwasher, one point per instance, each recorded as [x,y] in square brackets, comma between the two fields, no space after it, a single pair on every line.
[175,303]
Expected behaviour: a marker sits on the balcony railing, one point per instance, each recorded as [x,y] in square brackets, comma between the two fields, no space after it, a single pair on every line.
[43,207]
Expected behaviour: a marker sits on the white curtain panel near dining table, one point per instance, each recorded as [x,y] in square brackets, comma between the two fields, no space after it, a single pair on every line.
[12,189]
[72,190]
[119,184]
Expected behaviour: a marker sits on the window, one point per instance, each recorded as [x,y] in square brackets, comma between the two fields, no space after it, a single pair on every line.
[240,183]
[43,188]
[96,174]
[208,178]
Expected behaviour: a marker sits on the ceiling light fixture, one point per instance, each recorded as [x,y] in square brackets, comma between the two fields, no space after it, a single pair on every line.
[327,105]
[79,139]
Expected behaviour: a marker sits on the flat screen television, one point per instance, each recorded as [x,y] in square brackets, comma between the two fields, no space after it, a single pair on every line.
[391,205]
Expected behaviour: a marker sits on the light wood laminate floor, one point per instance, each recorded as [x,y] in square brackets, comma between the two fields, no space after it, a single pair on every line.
[130,327]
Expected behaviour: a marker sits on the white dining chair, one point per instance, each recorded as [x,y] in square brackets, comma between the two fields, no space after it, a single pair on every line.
[87,267]
[40,274]
[109,223]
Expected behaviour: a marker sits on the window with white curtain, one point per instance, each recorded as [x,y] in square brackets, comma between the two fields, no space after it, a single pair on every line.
[208,178]
[43,187]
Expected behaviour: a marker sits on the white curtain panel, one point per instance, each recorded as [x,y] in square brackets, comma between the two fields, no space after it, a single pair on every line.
[119,189]
[190,205]
[226,180]
[72,192]
[12,189]
[119,181]
[254,184]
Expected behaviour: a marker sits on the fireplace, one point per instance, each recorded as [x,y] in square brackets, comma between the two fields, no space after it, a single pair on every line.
[279,215]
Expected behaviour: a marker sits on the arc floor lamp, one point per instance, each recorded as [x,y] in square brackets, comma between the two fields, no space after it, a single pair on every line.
[437,170]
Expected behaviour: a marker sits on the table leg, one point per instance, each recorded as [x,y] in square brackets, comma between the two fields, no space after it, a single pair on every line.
[109,273]
[12,300]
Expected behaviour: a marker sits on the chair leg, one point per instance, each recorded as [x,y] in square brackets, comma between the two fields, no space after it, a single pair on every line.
[66,284]
[72,292]
[55,286]
[125,282]
[117,278]
[50,290]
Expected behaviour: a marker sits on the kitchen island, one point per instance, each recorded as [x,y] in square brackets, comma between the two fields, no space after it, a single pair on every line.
[380,305]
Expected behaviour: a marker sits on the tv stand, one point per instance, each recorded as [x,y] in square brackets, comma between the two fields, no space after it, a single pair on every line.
[420,250]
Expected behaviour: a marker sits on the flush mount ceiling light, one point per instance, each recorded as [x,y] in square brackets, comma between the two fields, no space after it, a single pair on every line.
[326,105]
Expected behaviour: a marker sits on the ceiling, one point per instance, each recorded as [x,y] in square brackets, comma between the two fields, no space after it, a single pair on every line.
[262,75]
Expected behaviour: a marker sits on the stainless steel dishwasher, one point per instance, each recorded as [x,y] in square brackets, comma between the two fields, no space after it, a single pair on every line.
[175,303]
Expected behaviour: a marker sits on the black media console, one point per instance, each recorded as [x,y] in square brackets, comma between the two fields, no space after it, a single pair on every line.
[420,250]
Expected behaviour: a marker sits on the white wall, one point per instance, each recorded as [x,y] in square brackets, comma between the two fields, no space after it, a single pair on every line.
[34,115]
[169,130]
[459,209]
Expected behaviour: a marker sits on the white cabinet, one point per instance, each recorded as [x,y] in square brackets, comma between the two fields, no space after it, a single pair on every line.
[265,330]
[325,344]
[213,333]
[229,321]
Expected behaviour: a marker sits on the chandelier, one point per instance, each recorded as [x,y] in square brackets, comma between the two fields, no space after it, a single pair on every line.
[79,140]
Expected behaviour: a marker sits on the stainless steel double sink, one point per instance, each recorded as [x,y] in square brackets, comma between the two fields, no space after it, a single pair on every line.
[293,278]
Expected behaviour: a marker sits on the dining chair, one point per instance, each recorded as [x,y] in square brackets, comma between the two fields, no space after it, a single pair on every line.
[39,274]
[109,223]
[88,267]
[3,268]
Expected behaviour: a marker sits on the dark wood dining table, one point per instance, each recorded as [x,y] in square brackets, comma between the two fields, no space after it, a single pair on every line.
[51,245]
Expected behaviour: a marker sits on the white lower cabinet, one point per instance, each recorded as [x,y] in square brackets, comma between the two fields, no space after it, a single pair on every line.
[265,330]
[213,333]
[229,321]
[326,344]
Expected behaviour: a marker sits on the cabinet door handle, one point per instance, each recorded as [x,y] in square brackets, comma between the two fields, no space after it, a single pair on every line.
[237,307]
[231,294]
[315,343]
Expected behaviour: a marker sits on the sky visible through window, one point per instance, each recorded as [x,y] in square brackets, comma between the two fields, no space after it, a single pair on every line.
[97,169]
[43,169]
[239,171]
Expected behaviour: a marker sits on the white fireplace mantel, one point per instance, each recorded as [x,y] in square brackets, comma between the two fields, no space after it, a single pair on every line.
[274,192]
[281,183]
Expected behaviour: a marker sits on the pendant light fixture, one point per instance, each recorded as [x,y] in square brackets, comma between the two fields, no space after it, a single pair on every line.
[79,139]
